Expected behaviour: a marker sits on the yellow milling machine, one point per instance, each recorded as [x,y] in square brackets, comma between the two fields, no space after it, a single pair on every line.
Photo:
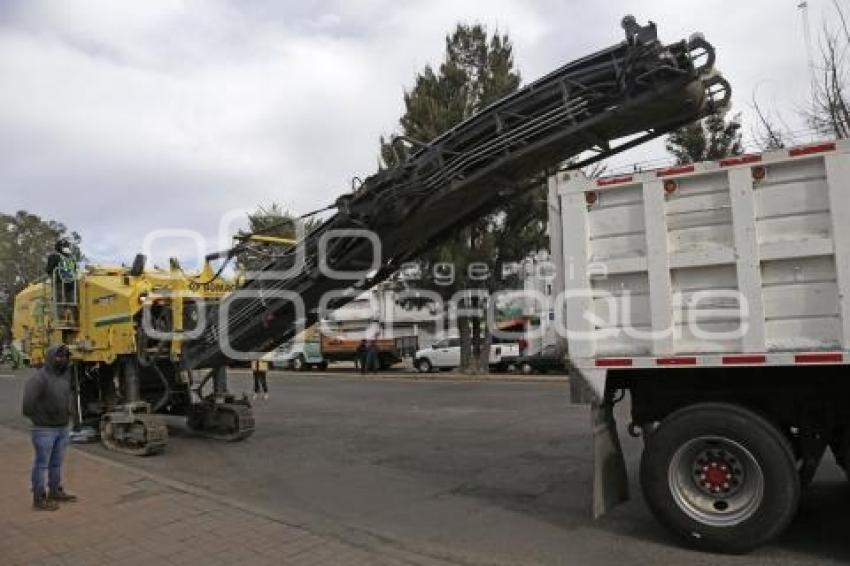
[125,328]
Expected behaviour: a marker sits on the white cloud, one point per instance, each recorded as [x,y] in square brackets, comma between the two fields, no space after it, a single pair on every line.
[120,118]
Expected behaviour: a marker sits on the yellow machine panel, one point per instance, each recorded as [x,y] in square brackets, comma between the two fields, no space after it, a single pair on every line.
[105,318]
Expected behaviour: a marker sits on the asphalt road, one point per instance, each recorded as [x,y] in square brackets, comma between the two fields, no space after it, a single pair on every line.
[472,472]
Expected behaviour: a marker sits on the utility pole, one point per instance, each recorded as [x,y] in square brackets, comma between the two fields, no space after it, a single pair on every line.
[803,7]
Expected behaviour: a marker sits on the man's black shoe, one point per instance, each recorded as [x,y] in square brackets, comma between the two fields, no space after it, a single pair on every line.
[61,496]
[42,503]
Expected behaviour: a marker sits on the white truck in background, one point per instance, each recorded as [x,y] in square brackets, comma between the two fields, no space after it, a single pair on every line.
[718,296]
[445,355]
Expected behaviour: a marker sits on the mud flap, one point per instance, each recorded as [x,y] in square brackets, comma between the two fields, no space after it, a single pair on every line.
[610,481]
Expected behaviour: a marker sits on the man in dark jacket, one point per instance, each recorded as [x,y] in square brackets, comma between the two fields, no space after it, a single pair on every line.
[47,403]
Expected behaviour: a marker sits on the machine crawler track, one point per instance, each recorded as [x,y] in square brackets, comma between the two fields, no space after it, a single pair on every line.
[131,429]
[229,421]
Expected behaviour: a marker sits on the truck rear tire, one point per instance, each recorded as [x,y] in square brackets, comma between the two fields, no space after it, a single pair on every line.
[298,363]
[423,365]
[720,476]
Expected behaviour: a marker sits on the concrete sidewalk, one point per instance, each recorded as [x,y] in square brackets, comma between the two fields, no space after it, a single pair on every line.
[128,517]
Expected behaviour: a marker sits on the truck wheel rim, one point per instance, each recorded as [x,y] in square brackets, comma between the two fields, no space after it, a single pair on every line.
[716,481]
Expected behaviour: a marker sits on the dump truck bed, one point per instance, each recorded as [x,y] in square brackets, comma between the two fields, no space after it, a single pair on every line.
[742,261]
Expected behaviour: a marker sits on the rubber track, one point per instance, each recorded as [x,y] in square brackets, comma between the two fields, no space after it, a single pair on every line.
[244,420]
[156,434]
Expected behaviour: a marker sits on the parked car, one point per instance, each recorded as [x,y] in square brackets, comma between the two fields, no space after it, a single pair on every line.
[299,357]
[550,359]
[445,355]
[280,357]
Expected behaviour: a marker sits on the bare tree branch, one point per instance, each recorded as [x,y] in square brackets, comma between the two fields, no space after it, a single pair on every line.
[830,114]
[841,17]
[768,137]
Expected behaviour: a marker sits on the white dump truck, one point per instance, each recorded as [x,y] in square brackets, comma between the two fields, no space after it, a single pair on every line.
[717,295]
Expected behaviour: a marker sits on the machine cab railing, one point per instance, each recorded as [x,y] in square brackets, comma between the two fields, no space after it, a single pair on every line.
[65,298]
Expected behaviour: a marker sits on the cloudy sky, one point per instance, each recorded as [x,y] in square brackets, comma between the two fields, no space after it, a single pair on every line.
[120,118]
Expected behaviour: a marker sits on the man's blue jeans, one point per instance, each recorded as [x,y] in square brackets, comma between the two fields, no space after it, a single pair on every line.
[49,443]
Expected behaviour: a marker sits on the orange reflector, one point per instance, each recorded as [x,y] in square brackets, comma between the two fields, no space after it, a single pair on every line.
[818,358]
[675,171]
[810,149]
[613,181]
[740,160]
[613,362]
[590,197]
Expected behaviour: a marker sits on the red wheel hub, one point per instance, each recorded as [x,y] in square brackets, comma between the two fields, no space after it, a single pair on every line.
[715,475]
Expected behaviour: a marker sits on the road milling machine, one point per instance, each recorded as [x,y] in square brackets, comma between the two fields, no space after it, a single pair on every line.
[582,112]
[119,323]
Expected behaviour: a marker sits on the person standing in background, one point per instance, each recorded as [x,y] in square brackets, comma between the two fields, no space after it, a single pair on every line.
[360,355]
[372,360]
[260,369]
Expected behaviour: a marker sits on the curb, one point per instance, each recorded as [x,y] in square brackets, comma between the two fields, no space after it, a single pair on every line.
[422,377]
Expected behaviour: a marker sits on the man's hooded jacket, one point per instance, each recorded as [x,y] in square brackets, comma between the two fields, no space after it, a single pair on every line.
[47,394]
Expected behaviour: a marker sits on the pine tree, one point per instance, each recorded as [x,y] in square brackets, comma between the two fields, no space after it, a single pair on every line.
[478,69]
[710,138]
[268,220]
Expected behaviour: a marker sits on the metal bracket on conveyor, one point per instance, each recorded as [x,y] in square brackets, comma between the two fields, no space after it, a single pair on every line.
[716,86]
[699,47]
